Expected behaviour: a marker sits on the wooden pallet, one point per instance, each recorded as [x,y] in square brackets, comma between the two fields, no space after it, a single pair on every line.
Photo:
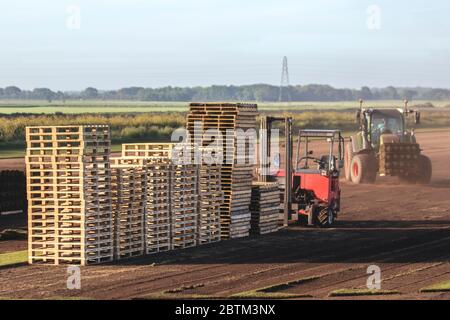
[69,194]
[155,150]
[147,150]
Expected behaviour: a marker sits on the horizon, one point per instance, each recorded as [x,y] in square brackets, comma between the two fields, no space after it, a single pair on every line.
[103,90]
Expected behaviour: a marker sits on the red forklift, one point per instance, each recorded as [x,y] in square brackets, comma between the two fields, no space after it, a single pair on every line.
[311,193]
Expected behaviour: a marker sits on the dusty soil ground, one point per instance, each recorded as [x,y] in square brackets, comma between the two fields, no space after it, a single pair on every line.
[404,229]
[12,245]
[12,164]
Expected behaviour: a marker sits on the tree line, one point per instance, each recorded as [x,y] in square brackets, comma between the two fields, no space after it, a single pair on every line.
[256,92]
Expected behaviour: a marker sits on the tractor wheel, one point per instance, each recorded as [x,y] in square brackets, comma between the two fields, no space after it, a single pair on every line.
[347,161]
[425,170]
[325,217]
[363,169]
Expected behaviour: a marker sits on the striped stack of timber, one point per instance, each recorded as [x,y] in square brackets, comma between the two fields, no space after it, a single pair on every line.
[158,235]
[236,170]
[174,190]
[128,189]
[210,199]
[264,207]
[157,200]
[184,205]
[68,191]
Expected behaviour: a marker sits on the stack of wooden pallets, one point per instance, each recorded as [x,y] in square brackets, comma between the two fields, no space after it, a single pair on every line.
[210,200]
[264,207]
[158,236]
[174,187]
[157,200]
[68,191]
[129,187]
[230,120]
[183,205]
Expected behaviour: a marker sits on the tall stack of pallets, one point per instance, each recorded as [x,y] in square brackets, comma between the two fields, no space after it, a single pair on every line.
[174,186]
[264,207]
[231,121]
[158,234]
[68,191]
[210,199]
[183,205]
[128,189]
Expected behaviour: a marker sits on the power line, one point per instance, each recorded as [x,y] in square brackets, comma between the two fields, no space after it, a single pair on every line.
[284,80]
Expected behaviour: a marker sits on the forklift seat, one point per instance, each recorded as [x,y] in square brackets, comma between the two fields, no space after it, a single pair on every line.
[325,161]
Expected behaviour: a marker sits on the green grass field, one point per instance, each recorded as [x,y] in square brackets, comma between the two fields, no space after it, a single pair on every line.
[79,107]
[361,292]
[122,106]
[438,287]
[12,258]
[133,121]
[6,153]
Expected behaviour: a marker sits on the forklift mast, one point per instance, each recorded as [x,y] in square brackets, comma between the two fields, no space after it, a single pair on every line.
[265,156]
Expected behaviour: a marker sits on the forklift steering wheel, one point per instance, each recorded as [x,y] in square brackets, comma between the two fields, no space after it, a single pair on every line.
[316,160]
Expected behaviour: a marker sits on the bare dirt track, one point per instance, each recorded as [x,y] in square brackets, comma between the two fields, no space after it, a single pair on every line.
[404,229]
[12,164]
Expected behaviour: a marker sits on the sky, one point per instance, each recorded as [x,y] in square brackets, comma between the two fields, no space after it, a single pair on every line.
[109,44]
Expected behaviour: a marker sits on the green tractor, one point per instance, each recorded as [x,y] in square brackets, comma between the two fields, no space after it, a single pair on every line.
[384,147]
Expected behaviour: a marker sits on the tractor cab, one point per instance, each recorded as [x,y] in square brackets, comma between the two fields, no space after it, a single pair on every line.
[316,188]
[383,122]
[377,123]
